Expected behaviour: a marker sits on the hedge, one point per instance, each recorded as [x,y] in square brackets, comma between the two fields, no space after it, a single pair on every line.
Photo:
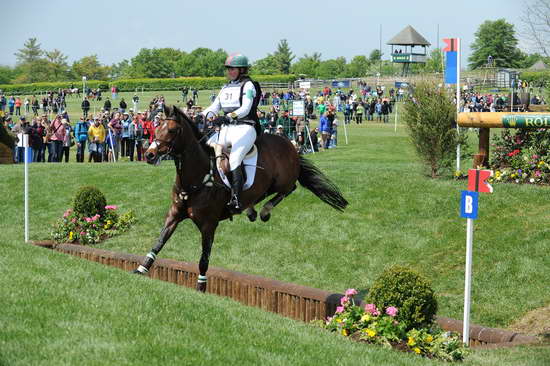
[200,83]
[536,78]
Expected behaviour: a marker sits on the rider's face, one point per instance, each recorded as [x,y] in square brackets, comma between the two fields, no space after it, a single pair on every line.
[232,73]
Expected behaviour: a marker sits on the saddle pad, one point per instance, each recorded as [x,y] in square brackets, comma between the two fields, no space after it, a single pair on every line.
[249,163]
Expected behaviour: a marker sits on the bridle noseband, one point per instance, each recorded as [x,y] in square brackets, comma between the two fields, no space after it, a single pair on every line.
[171,144]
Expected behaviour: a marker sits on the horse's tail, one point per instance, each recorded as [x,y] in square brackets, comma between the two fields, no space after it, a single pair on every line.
[313,179]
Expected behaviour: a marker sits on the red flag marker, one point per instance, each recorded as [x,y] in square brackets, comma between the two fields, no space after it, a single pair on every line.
[451,44]
[477,180]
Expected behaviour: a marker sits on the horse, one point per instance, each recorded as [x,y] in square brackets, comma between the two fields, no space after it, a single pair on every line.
[200,195]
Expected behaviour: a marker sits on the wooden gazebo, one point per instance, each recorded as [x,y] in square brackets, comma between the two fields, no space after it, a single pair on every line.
[403,48]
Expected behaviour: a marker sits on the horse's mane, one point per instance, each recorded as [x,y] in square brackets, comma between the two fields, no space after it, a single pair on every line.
[178,115]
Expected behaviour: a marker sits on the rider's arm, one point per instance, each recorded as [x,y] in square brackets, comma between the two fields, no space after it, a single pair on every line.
[249,92]
[214,108]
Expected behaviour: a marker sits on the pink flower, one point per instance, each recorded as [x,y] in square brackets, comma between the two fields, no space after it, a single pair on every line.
[67,213]
[391,311]
[88,219]
[329,319]
[96,217]
[339,309]
[111,207]
[371,308]
[82,233]
[73,220]
[351,292]
[344,300]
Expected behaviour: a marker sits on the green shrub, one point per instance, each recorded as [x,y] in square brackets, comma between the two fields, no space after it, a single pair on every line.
[408,291]
[89,201]
[125,85]
[430,116]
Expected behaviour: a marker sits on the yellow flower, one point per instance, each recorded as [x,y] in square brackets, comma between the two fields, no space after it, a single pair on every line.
[365,318]
[429,338]
[338,320]
[105,226]
[371,333]
[71,236]
[416,350]
[411,341]
[344,332]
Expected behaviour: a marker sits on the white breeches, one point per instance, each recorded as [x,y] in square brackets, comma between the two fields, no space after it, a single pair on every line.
[239,137]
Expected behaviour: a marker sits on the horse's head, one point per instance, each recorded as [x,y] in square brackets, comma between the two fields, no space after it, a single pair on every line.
[167,136]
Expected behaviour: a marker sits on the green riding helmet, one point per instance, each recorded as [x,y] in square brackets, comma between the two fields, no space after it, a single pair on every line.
[236,60]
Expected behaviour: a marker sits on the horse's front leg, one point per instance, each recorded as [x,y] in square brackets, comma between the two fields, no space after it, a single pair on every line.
[175,215]
[207,233]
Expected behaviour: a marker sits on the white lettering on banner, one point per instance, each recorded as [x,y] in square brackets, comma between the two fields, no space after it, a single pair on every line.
[469,205]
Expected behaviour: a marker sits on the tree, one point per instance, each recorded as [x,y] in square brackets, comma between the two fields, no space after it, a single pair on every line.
[266,66]
[201,62]
[155,63]
[434,62]
[307,65]
[58,69]
[7,74]
[497,39]
[536,25]
[375,56]
[283,57]
[90,67]
[332,68]
[121,70]
[30,52]
[358,67]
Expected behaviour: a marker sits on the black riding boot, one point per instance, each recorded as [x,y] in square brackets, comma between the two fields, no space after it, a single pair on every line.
[236,189]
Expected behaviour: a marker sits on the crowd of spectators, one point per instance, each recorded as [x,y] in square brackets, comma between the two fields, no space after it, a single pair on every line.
[120,132]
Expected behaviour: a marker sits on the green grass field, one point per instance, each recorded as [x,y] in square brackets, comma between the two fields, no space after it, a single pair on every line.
[62,310]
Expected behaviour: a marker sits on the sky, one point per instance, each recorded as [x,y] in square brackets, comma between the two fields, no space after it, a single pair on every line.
[116,30]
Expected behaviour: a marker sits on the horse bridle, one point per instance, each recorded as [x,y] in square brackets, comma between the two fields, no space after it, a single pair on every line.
[171,144]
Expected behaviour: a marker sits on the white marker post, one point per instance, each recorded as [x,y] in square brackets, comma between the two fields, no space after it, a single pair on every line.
[469,210]
[457,100]
[26,146]
[395,122]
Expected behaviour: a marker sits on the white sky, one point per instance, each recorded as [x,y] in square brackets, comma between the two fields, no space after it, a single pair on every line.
[115,30]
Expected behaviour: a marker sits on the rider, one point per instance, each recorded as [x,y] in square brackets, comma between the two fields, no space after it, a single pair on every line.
[239,101]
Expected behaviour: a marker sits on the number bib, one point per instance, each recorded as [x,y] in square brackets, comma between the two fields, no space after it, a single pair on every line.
[229,98]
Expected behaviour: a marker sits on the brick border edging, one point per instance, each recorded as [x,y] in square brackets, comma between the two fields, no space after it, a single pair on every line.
[287,299]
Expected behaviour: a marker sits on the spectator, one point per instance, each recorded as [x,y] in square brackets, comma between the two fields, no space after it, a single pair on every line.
[67,141]
[325,130]
[38,146]
[35,105]
[107,105]
[135,100]
[122,105]
[11,104]
[135,138]
[125,136]
[114,136]
[27,103]
[385,111]
[85,107]
[21,129]
[96,135]
[314,136]
[81,136]
[57,138]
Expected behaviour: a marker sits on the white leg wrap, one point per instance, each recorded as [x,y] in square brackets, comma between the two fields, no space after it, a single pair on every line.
[151,255]
[202,279]
[142,269]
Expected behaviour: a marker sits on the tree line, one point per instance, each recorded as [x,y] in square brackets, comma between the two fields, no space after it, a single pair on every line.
[493,38]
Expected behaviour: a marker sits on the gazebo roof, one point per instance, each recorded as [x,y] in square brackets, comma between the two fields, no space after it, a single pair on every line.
[409,37]
[539,65]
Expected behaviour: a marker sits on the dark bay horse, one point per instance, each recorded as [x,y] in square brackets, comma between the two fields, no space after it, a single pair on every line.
[200,195]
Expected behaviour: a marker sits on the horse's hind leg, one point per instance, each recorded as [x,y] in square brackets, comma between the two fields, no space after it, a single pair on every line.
[265,213]
[173,218]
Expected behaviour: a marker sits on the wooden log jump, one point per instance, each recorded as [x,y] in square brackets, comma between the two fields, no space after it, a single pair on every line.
[487,120]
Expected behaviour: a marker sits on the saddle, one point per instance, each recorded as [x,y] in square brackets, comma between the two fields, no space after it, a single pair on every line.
[248,165]
[222,158]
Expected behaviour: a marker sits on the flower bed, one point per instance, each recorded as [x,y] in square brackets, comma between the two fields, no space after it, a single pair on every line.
[379,326]
[88,230]
[521,157]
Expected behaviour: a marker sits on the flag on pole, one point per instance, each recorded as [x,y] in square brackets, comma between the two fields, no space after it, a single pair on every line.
[451,60]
